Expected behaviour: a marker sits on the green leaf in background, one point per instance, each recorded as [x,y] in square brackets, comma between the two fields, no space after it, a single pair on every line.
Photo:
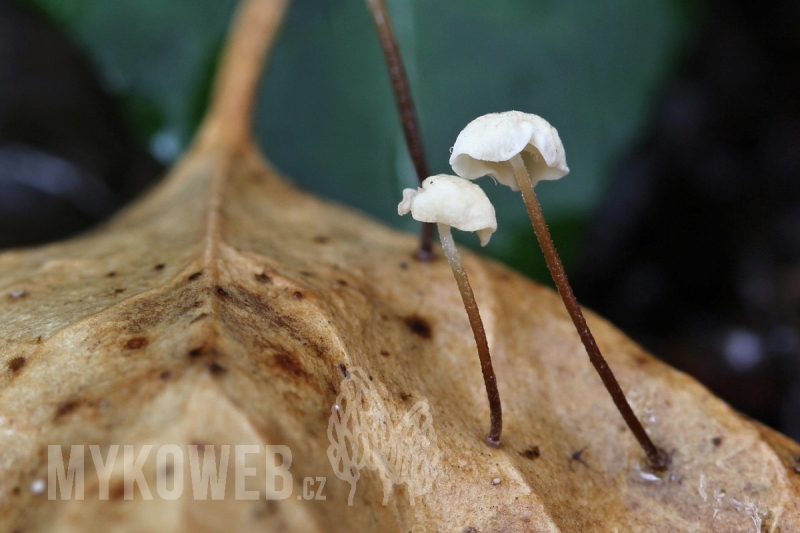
[327,116]
[153,53]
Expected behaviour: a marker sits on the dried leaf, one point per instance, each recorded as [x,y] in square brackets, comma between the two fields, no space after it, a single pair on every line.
[229,308]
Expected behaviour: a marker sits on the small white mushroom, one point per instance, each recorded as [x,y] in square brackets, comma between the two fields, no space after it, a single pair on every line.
[519,150]
[453,201]
[492,145]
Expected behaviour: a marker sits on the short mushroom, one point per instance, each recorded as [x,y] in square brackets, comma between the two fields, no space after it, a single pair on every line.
[453,201]
[519,150]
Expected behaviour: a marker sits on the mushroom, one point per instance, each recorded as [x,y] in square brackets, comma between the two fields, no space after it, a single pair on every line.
[453,201]
[519,150]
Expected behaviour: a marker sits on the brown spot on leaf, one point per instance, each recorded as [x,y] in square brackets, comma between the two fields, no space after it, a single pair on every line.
[165,375]
[159,266]
[257,304]
[16,491]
[16,364]
[116,492]
[201,446]
[221,291]
[384,353]
[343,370]
[216,369]
[531,453]
[136,343]
[321,239]
[716,441]
[65,408]
[297,295]
[419,326]
[195,352]
[195,276]
[403,265]
[263,278]
[118,291]
[289,364]
[111,274]
[404,396]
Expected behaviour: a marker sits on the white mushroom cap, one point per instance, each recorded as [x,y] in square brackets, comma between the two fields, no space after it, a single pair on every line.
[487,144]
[452,201]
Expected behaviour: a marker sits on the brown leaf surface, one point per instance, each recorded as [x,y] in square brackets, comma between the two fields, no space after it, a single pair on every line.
[227,306]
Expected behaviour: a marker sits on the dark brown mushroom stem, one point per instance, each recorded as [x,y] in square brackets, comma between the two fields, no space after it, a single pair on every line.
[471,306]
[405,105]
[657,458]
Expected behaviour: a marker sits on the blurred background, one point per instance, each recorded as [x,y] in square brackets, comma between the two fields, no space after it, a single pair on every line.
[680,220]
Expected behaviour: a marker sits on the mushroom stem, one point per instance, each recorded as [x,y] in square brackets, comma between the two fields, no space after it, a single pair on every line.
[658,458]
[405,106]
[471,306]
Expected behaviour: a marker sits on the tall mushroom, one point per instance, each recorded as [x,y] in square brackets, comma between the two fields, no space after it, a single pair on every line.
[450,201]
[519,150]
